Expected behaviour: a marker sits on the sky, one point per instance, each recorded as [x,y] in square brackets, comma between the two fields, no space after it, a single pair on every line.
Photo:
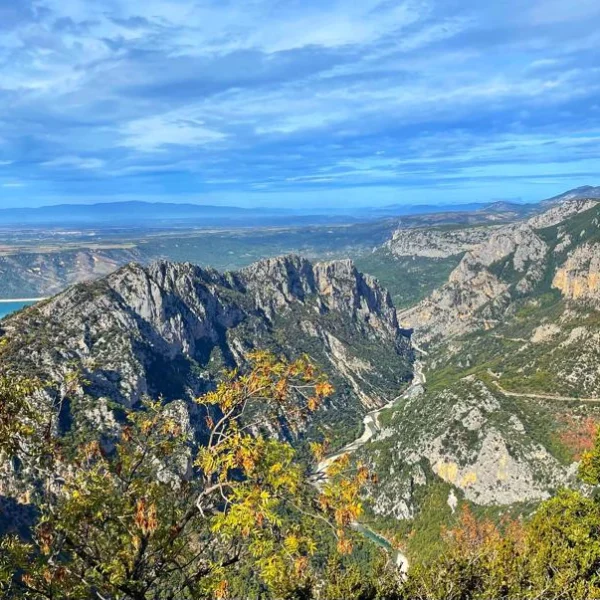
[304,103]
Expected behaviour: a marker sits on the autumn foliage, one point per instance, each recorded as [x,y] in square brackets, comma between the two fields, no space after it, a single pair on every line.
[162,511]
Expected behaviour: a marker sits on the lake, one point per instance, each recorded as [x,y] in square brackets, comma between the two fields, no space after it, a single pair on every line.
[10,306]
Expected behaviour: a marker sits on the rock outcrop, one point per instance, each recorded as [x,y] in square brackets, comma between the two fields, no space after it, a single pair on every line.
[437,242]
[579,277]
[510,264]
[168,329]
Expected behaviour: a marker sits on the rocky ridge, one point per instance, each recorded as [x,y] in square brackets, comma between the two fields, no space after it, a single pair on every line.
[436,243]
[168,329]
[511,263]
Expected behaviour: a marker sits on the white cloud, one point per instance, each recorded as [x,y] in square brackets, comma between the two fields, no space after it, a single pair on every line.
[153,133]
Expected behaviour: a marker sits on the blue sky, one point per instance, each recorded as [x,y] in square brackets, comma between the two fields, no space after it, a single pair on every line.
[297,102]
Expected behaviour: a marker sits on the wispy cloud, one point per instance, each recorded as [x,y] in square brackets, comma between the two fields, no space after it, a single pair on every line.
[297,101]
[74,162]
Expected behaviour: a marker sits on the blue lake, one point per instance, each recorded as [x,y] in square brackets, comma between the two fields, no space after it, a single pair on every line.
[6,308]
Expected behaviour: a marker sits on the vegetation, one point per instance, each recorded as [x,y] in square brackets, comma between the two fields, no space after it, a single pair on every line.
[408,279]
[554,555]
[152,513]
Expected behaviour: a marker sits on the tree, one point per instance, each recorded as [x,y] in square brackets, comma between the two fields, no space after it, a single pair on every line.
[556,554]
[157,513]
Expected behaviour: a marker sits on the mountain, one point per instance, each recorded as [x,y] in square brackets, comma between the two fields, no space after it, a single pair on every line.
[580,193]
[511,342]
[117,212]
[167,330]
[513,262]
[40,274]
[136,215]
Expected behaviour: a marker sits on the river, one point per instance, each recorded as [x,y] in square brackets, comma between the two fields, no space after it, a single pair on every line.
[372,427]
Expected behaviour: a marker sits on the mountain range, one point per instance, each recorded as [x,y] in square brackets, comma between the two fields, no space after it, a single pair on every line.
[142,213]
[509,342]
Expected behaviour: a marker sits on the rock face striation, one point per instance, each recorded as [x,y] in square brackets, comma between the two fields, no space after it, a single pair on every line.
[579,277]
[513,262]
[168,329]
[436,243]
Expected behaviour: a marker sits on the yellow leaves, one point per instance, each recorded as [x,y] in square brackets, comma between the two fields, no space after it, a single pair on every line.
[291,543]
[324,389]
[318,450]
[146,426]
[171,428]
[206,461]
[221,591]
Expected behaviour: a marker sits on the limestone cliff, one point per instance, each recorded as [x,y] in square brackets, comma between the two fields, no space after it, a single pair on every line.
[512,263]
[579,277]
[169,328]
[437,242]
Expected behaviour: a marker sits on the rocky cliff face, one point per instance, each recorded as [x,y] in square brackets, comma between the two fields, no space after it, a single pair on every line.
[476,441]
[37,274]
[168,329]
[579,277]
[513,364]
[436,243]
[512,263]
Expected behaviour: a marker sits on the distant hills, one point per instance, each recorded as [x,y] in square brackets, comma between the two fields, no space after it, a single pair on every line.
[132,213]
[586,191]
[163,214]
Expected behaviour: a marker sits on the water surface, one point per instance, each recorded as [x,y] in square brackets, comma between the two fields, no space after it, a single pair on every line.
[8,307]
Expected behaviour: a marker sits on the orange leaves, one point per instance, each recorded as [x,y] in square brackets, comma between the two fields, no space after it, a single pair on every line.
[281,389]
[145,517]
[300,566]
[127,434]
[312,403]
[324,389]
[246,458]
[90,451]
[472,534]
[579,435]
[344,545]
[221,591]
[45,537]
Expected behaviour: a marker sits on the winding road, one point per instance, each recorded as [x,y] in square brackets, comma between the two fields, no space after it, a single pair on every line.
[544,396]
[371,429]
